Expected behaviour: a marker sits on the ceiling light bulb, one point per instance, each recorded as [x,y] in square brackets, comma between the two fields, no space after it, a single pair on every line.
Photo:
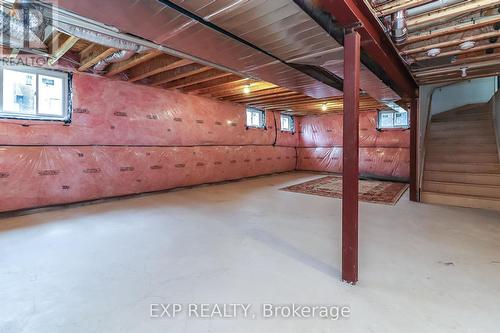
[464,71]
[246,89]
[467,45]
[324,107]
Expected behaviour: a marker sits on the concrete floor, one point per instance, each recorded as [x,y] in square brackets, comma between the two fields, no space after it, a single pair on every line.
[98,268]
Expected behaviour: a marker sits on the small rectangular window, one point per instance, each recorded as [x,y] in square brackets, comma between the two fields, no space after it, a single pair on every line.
[34,93]
[388,119]
[256,118]
[287,123]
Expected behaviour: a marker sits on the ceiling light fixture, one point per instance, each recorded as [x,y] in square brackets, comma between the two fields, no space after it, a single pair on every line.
[324,107]
[434,52]
[467,45]
[464,71]
[246,89]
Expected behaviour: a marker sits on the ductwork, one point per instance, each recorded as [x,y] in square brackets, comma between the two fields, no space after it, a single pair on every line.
[97,37]
[126,48]
[431,6]
[119,56]
[399,29]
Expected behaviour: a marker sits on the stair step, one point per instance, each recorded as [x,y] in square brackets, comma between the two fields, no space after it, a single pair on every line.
[463,167]
[490,148]
[488,191]
[462,140]
[468,117]
[463,177]
[459,157]
[460,200]
[453,133]
[462,124]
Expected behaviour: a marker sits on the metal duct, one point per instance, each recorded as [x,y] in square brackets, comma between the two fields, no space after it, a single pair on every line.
[154,21]
[399,29]
[97,37]
[431,6]
[122,55]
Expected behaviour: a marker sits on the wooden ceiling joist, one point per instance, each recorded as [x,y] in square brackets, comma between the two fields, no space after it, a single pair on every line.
[395,6]
[177,74]
[455,29]
[255,86]
[456,52]
[459,78]
[62,49]
[462,61]
[209,75]
[92,55]
[455,42]
[234,86]
[288,99]
[264,92]
[466,7]
[457,68]
[155,66]
[254,98]
[195,88]
[117,68]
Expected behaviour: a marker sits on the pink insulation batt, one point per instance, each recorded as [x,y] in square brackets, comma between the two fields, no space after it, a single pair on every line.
[126,138]
[383,154]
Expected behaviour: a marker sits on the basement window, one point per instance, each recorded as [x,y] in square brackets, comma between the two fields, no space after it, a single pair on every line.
[34,93]
[390,119]
[287,123]
[256,118]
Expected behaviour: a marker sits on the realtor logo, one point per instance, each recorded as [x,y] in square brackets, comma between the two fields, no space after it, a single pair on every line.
[23,26]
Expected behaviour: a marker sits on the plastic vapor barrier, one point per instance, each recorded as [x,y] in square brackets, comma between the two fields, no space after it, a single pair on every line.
[126,139]
[382,153]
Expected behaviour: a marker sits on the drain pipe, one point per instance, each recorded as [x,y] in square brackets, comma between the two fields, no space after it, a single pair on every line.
[399,28]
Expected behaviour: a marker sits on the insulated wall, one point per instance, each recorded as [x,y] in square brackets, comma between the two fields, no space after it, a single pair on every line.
[383,154]
[127,139]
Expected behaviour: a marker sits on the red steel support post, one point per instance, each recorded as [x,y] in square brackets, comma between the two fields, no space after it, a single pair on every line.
[351,158]
[414,120]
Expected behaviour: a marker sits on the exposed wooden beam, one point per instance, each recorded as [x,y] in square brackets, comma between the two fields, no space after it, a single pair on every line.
[454,42]
[396,6]
[282,101]
[209,75]
[467,7]
[258,93]
[177,74]
[136,60]
[455,29]
[209,88]
[226,88]
[155,66]
[255,86]
[62,49]
[456,68]
[93,54]
[458,79]
[254,99]
[455,52]
[461,61]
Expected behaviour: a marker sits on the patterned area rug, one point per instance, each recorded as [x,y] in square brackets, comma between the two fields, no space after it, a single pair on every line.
[373,191]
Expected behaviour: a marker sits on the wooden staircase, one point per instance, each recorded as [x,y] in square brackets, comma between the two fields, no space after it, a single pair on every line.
[462,166]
